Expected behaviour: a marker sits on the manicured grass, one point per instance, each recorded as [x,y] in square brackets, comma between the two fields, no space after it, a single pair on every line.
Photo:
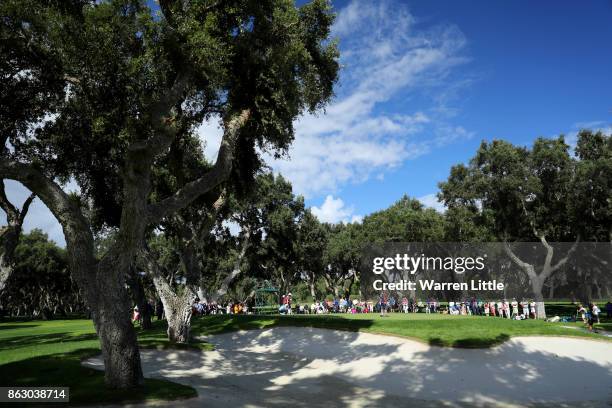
[435,329]
[49,353]
[157,338]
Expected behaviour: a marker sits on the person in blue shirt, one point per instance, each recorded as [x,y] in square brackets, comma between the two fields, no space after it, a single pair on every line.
[382,301]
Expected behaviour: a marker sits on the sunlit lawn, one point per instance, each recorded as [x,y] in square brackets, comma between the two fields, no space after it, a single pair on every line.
[435,329]
[49,353]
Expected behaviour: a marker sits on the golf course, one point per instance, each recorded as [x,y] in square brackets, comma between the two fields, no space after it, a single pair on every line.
[305,203]
[51,353]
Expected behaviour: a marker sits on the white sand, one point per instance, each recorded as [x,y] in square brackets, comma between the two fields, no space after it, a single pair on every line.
[306,367]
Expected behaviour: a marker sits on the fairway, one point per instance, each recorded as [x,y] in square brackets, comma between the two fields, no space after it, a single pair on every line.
[434,329]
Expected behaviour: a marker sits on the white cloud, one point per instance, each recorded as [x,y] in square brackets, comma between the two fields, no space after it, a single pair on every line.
[333,210]
[431,201]
[590,125]
[571,137]
[356,219]
[359,136]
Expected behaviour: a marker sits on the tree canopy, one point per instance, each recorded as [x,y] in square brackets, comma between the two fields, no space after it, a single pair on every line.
[99,92]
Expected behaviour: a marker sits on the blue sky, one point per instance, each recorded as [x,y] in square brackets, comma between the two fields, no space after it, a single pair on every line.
[422,83]
[521,70]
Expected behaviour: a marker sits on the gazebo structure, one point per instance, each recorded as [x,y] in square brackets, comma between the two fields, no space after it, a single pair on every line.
[266,299]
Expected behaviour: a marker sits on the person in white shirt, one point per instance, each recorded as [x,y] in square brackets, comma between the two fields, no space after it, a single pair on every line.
[515,308]
[532,309]
[405,304]
[525,307]
[596,311]
[582,311]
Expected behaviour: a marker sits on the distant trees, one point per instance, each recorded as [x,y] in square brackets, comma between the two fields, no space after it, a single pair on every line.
[542,193]
[41,285]
[279,216]
[312,242]
[406,220]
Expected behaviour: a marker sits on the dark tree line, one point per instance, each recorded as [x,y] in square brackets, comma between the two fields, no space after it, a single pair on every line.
[41,285]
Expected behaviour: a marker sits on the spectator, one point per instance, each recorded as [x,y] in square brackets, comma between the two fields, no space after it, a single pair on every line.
[596,311]
[136,315]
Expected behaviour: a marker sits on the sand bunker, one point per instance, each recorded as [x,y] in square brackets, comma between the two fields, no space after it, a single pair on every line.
[306,367]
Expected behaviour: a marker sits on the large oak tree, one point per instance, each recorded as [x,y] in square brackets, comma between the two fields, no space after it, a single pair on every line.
[96,92]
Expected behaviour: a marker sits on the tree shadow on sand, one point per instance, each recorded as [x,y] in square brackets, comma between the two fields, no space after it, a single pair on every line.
[305,367]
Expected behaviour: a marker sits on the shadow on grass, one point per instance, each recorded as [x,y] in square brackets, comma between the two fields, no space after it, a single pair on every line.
[86,384]
[166,345]
[17,326]
[605,325]
[217,324]
[157,338]
[471,342]
[40,339]
[211,325]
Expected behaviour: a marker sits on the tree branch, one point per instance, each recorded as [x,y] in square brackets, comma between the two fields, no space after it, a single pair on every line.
[531,221]
[527,268]
[236,270]
[208,181]
[546,270]
[76,228]
[12,214]
[59,203]
[564,260]
[162,120]
[25,208]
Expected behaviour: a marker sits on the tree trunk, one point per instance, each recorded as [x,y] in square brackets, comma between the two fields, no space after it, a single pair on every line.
[598,289]
[111,316]
[5,272]
[349,289]
[9,234]
[202,295]
[179,323]
[178,309]
[313,291]
[537,286]
[145,317]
